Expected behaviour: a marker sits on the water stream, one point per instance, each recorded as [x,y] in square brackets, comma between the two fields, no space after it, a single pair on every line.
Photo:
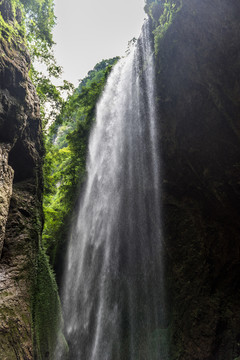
[113,299]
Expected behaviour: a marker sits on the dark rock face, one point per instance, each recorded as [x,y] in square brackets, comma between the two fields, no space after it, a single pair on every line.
[198,85]
[20,194]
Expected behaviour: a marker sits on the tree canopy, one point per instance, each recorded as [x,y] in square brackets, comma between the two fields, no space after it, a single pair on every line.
[65,162]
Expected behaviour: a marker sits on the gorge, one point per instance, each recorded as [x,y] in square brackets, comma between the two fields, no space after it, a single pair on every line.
[153,260]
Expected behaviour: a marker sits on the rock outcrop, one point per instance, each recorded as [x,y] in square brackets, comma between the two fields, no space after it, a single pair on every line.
[198,91]
[20,189]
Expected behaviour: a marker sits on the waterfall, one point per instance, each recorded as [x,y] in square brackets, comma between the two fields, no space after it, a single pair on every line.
[113,299]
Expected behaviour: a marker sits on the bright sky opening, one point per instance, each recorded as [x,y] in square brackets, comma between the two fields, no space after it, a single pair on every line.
[91,30]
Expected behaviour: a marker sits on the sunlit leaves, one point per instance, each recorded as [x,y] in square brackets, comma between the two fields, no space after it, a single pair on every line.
[65,163]
[40,19]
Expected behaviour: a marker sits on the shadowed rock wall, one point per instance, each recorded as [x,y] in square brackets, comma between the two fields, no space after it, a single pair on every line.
[198,90]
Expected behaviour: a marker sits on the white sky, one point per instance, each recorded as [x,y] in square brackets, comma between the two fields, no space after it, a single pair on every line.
[88,31]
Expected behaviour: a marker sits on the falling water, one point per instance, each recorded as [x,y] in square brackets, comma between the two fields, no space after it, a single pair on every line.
[113,287]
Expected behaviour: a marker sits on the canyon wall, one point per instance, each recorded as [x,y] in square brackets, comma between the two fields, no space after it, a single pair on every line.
[21,153]
[198,94]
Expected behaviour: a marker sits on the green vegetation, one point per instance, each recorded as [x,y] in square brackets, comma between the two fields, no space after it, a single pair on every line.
[29,23]
[65,162]
[31,19]
[64,169]
[162,15]
[39,19]
[12,28]
[47,318]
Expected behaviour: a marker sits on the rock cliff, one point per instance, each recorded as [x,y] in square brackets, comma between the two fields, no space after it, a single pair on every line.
[20,189]
[198,94]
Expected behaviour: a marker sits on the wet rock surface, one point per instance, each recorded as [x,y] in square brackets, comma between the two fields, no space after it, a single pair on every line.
[17,268]
[6,180]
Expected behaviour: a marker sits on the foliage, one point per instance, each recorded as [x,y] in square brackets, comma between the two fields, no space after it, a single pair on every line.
[30,23]
[40,19]
[12,28]
[162,15]
[35,19]
[97,73]
[65,162]
[46,311]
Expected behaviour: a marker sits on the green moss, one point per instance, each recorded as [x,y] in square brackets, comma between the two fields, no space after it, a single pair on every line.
[47,320]
[162,15]
[13,32]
